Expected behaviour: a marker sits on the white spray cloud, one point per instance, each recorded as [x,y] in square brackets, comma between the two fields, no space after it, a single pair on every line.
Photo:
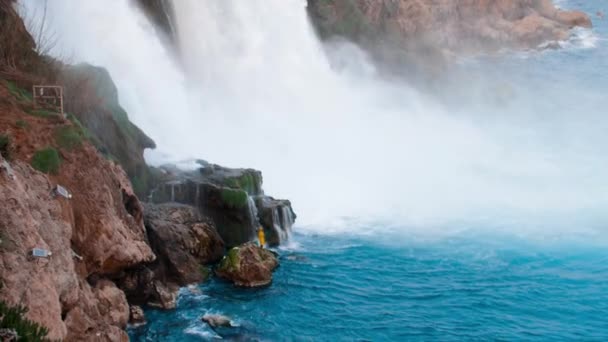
[256,89]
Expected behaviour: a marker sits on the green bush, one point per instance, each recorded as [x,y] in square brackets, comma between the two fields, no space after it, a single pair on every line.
[13,318]
[47,161]
[69,137]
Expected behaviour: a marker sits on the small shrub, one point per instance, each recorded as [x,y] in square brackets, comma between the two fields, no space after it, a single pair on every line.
[22,124]
[69,137]
[47,161]
[13,318]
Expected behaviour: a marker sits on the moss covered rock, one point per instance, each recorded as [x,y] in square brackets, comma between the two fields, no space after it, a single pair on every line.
[248,265]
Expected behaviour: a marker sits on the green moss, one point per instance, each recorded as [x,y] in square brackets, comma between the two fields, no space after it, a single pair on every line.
[247,182]
[22,124]
[234,198]
[69,137]
[19,93]
[47,161]
[14,318]
[231,261]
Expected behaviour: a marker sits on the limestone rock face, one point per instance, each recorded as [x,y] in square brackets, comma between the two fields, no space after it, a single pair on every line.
[248,265]
[93,98]
[96,233]
[183,241]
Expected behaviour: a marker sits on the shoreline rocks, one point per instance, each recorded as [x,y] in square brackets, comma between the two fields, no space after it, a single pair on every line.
[136,315]
[425,35]
[248,266]
[217,321]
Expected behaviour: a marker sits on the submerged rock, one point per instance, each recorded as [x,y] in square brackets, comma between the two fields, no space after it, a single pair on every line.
[248,265]
[216,321]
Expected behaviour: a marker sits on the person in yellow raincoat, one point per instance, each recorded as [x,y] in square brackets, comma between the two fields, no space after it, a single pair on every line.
[261,237]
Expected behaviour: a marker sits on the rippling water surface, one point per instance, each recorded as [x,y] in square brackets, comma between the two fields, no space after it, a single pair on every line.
[336,288]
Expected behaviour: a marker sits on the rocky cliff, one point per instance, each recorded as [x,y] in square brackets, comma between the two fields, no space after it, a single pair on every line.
[96,232]
[421,30]
[92,98]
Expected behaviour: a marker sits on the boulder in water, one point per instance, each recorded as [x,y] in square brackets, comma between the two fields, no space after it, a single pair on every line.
[137,316]
[217,321]
[248,265]
[166,295]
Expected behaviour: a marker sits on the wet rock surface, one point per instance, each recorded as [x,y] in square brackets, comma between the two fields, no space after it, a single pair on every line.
[248,266]
[216,321]
[136,315]
[232,198]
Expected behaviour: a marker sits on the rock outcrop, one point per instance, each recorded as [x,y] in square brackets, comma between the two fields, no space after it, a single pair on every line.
[97,232]
[232,198]
[136,315]
[184,242]
[426,31]
[277,218]
[84,238]
[92,98]
[248,265]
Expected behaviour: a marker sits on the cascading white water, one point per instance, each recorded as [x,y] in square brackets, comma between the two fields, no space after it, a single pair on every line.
[258,91]
[287,221]
[253,212]
[277,225]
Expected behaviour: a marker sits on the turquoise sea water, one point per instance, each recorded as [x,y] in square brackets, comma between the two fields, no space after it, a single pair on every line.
[479,285]
[465,288]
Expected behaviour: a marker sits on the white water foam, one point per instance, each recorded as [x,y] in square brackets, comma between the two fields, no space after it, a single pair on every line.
[258,91]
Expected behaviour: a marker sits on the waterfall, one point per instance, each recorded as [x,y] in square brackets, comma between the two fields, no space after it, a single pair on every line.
[253,212]
[286,221]
[277,225]
[345,142]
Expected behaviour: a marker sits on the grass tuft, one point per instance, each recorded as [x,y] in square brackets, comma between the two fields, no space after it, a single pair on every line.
[47,161]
